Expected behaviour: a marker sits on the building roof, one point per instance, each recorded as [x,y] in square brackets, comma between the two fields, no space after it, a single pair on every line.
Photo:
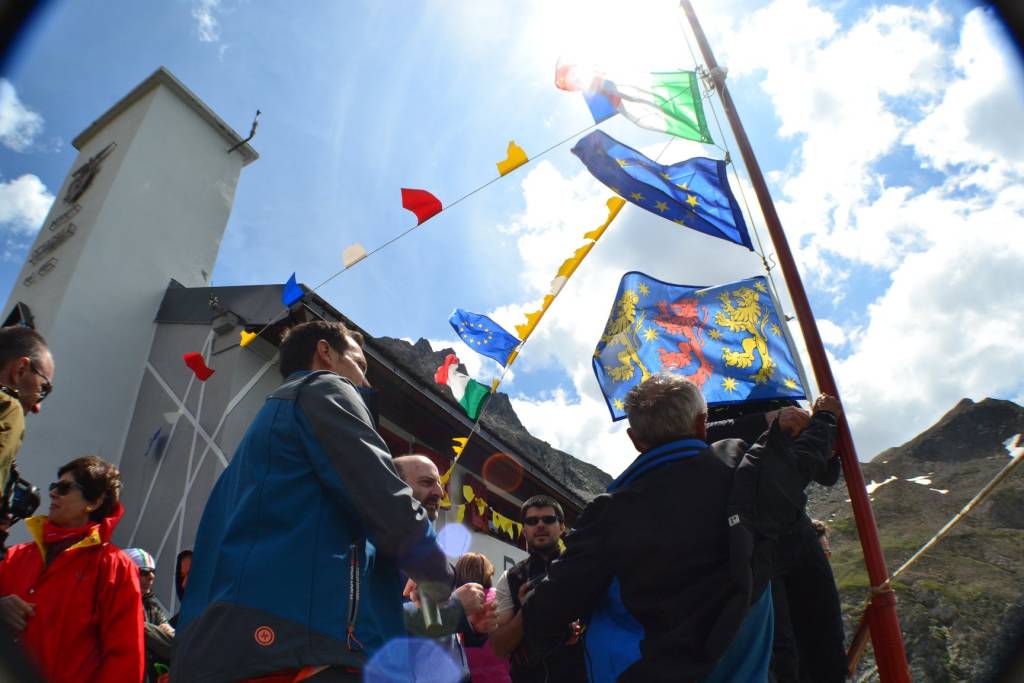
[164,77]
[257,306]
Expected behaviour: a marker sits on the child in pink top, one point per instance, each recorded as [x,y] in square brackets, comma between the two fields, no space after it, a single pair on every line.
[484,665]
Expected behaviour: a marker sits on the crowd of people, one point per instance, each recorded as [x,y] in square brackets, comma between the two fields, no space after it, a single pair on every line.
[316,557]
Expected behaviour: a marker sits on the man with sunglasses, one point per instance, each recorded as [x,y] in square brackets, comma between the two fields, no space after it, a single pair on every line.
[543,526]
[26,378]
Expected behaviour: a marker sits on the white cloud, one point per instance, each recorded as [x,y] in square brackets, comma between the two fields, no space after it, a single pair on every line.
[832,90]
[978,120]
[19,125]
[24,203]
[207,26]
[943,329]
[831,334]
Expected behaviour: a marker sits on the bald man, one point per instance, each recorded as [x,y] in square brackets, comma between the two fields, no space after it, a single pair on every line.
[420,473]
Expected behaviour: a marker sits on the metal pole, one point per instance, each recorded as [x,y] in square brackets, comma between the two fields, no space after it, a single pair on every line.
[884,624]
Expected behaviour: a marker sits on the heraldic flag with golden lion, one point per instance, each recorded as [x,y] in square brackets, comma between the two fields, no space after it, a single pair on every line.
[728,339]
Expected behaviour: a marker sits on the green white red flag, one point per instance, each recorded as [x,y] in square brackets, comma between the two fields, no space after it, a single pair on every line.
[467,391]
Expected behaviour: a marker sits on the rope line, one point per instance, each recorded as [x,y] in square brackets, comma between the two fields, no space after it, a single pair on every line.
[1017,455]
[702,70]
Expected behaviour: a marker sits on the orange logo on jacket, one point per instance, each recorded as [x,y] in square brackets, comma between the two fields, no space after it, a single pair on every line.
[264,636]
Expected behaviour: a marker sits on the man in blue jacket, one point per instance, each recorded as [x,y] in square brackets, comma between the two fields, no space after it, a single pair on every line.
[298,552]
[653,562]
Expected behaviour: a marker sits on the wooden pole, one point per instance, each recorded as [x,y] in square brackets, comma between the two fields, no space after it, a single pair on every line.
[884,622]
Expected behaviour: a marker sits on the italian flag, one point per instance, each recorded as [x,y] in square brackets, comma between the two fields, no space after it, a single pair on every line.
[668,101]
[468,392]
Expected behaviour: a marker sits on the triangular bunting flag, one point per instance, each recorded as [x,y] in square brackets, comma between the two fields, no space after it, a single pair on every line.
[516,158]
[247,338]
[197,365]
[292,292]
[421,203]
[353,254]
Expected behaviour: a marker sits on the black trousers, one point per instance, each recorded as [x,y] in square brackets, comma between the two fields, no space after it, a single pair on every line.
[808,643]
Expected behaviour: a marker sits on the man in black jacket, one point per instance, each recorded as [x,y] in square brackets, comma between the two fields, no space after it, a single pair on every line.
[560,660]
[652,561]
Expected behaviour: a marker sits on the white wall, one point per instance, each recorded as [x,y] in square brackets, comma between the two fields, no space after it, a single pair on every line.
[156,211]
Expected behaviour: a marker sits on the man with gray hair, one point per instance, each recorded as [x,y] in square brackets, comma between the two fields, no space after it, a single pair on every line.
[651,560]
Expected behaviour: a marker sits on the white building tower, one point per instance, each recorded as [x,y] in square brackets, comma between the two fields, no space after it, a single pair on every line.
[146,200]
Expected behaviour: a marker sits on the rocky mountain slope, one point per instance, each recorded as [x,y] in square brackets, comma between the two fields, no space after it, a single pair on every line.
[956,603]
[500,419]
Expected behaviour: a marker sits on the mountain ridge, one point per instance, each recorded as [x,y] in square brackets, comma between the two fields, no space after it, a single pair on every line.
[954,602]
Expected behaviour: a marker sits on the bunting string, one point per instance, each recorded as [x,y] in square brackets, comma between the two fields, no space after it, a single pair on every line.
[565,272]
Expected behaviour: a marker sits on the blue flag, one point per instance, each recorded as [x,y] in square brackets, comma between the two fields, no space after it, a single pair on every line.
[728,340]
[483,335]
[694,193]
[292,292]
[601,108]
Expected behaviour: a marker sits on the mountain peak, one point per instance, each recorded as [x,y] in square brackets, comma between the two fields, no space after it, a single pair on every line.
[968,431]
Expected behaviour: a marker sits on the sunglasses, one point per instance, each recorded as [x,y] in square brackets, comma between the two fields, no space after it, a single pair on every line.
[63,487]
[547,519]
[47,387]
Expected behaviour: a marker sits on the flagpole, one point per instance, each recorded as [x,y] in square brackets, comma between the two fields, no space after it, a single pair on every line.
[884,622]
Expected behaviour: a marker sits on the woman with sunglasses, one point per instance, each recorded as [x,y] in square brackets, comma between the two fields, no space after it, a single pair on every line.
[72,597]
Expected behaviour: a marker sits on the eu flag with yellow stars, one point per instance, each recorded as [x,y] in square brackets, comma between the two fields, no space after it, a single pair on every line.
[483,335]
[694,193]
[728,340]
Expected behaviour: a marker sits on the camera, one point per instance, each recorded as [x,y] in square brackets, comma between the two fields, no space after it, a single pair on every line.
[20,500]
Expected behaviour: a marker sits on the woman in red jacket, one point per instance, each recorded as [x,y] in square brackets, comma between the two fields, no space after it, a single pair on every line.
[72,596]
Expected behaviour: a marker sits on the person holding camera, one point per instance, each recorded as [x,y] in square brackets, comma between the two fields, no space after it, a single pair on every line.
[26,378]
[543,526]
[70,595]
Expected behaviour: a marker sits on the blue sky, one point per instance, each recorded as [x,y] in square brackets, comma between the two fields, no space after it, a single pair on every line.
[885,130]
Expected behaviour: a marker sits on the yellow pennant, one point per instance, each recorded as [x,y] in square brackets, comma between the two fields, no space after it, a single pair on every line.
[467,493]
[561,545]
[446,502]
[615,205]
[480,506]
[460,443]
[247,338]
[460,513]
[447,475]
[516,158]
[532,319]
[519,530]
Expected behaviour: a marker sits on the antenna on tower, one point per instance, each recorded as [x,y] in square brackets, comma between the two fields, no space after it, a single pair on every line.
[252,132]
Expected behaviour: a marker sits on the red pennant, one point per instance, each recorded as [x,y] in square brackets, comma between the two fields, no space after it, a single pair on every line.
[197,365]
[421,203]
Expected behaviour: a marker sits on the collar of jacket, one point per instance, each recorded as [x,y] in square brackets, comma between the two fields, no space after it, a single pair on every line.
[656,457]
[100,532]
